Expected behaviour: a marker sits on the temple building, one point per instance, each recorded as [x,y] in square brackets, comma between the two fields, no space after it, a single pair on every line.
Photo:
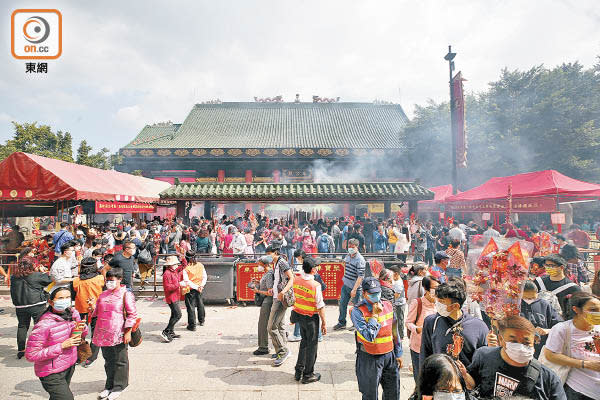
[273,142]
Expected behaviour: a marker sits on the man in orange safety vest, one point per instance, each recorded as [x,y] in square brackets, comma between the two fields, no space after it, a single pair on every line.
[378,346]
[309,306]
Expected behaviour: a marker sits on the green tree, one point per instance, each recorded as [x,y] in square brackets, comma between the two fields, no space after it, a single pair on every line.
[101,159]
[40,140]
[525,121]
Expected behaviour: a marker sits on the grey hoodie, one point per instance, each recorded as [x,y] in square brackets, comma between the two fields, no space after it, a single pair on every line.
[415,289]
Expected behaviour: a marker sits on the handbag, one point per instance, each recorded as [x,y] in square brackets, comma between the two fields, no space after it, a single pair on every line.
[258,299]
[184,290]
[288,298]
[84,351]
[136,332]
[145,257]
[562,371]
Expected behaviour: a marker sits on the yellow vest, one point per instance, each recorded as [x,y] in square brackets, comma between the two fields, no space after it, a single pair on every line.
[195,272]
[305,292]
[392,239]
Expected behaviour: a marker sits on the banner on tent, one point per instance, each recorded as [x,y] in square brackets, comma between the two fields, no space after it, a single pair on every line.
[523,205]
[118,207]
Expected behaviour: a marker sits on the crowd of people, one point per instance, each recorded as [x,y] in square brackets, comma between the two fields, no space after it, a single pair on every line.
[80,285]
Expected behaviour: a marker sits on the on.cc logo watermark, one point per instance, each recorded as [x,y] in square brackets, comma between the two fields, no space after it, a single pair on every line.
[36,34]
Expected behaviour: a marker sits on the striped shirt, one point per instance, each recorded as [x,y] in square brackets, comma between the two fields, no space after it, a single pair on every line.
[355,267]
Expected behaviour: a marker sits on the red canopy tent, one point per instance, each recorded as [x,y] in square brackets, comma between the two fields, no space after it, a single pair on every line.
[539,191]
[28,178]
[440,193]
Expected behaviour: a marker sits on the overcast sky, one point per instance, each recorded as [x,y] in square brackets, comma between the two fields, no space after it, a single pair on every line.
[129,63]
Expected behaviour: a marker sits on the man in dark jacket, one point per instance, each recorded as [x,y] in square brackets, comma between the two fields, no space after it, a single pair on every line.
[441,331]
[540,313]
[28,296]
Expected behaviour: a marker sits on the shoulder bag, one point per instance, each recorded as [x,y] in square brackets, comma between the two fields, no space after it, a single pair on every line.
[136,332]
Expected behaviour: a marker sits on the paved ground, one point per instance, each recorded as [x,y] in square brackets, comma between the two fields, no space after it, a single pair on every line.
[215,362]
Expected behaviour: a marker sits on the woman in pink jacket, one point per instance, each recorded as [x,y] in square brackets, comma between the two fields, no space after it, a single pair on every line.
[418,310]
[172,283]
[52,347]
[116,315]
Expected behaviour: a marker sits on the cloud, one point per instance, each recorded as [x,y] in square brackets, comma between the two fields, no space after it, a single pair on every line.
[129,114]
[141,62]
[5,117]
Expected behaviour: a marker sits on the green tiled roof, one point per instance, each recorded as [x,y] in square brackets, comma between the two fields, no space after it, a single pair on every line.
[152,135]
[282,125]
[395,191]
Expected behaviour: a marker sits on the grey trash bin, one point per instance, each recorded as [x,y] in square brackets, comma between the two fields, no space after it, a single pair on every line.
[220,278]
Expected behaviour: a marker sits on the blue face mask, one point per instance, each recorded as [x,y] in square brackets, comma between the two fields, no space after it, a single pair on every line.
[373,297]
[61,305]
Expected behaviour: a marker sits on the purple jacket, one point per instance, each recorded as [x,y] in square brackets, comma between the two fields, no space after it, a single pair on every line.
[111,323]
[44,344]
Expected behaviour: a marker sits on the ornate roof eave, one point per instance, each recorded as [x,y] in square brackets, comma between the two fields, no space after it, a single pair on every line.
[367,191]
[257,153]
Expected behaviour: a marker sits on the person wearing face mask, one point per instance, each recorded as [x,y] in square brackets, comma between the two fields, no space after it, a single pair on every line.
[378,345]
[439,328]
[353,275]
[511,370]
[116,316]
[440,379]
[576,336]
[418,310]
[540,313]
[52,346]
[415,284]
[283,281]
[556,282]
[309,244]
[125,260]
[88,286]
[265,289]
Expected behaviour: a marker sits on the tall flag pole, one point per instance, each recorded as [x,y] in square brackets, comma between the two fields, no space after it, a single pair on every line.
[509,204]
[458,126]
[450,57]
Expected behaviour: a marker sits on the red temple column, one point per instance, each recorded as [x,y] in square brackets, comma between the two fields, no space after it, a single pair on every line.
[346,210]
[249,180]
[221,179]
[276,176]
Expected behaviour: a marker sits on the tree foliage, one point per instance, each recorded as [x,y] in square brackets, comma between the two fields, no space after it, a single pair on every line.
[101,159]
[525,121]
[39,139]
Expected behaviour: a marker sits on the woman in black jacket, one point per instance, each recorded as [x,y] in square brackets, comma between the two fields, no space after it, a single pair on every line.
[28,296]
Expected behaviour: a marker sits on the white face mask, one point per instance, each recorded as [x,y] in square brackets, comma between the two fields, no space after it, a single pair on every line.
[111,285]
[448,396]
[529,301]
[352,250]
[518,352]
[442,309]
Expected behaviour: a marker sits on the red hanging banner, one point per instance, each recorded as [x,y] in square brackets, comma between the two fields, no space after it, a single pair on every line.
[523,205]
[119,207]
[459,121]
